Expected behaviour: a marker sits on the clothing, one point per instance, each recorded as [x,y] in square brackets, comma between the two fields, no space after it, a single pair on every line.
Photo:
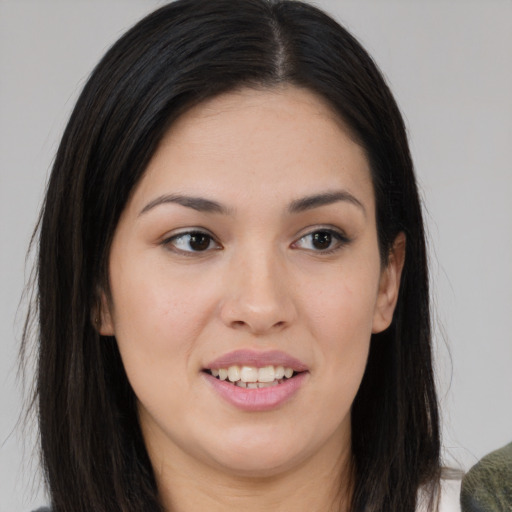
[449,500]
[450,496]
[487,487]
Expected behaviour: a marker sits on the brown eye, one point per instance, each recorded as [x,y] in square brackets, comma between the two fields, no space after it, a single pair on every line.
[321,240]
[199,241]
[192,241]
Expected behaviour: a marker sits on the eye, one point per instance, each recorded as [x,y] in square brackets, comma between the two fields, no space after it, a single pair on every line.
[191,241]
[322,240]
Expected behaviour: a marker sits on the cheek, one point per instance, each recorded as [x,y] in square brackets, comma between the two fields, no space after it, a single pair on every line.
[340,315]
[340,307]
[157,318]
[342,327]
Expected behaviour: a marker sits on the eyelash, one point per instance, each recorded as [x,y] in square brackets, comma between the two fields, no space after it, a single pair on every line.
[171,242]
[338,238]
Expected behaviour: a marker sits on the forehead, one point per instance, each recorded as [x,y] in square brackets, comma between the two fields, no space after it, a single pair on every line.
[278,142]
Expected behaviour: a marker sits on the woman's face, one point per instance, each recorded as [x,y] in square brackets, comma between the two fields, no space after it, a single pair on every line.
[249,248]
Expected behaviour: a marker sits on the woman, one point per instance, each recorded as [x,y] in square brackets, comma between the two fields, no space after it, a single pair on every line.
[232,281]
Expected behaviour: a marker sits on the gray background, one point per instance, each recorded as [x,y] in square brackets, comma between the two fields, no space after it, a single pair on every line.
[449,64]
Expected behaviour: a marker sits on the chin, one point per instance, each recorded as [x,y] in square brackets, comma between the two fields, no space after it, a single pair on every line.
[258,456]
[265,465]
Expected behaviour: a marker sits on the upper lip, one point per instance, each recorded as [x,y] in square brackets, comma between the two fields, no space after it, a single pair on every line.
[258,359]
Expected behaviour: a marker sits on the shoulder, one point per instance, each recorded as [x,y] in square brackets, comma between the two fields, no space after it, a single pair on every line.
[450,495]
[448,498]
[488,485]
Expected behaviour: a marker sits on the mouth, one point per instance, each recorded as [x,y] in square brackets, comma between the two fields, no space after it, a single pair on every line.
[253,377]
[253,380]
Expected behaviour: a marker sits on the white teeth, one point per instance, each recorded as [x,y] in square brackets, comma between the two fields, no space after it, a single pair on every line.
[266,374]
[268,384]
[254,385]
[249,374]
[279,372]
[245,375]
[234,373]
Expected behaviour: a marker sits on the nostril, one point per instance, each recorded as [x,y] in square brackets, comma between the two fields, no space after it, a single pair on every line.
[241,323]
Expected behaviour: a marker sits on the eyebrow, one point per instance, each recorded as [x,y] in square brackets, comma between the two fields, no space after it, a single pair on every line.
[201,204]
[196,203]
[323,199]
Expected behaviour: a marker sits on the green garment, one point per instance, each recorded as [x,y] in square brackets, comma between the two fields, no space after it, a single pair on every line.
[487,487]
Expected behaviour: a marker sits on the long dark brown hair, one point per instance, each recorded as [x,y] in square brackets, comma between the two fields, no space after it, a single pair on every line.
[93,453]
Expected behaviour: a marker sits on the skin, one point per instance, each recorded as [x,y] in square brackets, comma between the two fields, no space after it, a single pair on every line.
[260,284]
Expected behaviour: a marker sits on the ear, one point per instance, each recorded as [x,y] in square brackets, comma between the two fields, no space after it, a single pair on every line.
[102,316]
[389,285]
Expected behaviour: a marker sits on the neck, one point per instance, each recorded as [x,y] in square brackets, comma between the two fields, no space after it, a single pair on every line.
[319,484]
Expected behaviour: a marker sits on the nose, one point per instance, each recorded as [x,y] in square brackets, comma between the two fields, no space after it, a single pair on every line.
[258,295]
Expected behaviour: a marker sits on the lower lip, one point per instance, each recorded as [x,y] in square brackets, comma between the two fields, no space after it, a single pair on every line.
[259,399]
